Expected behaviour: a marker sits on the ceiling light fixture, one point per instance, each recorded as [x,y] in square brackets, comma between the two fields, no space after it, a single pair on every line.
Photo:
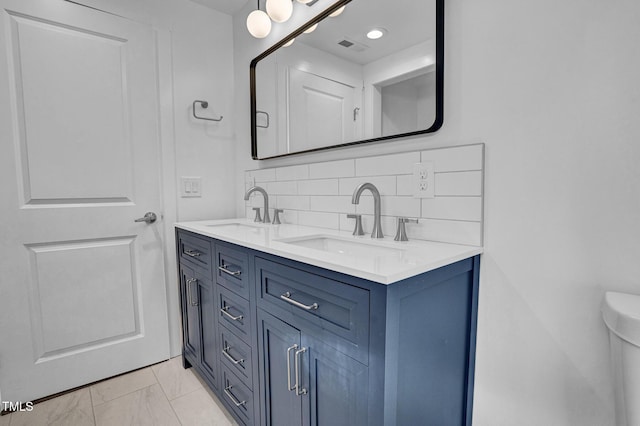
[376,33]
[337,11]
[311,29]
[289,43]
[258,23]
[279,10]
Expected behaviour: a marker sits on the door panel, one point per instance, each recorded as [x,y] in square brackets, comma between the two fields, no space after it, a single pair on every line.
[321,111]
[83,294]
[337,386]
[281,406]
[91,158]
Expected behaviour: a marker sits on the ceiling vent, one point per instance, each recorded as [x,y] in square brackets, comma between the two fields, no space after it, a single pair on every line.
[353,45]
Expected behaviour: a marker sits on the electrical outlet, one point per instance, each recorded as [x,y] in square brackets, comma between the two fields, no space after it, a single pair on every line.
[423,180]
[190,187]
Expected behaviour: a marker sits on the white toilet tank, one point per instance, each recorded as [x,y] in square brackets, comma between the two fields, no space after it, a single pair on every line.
[621,313]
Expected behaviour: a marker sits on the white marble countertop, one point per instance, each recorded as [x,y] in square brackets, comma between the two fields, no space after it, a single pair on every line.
[381,260]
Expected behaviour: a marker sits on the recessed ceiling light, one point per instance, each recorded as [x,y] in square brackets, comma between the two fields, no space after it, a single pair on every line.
[376,33]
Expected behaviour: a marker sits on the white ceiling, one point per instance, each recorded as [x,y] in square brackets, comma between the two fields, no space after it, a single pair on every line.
[229,7]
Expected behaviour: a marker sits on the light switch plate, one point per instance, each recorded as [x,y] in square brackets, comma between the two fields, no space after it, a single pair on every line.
[190,186]
[423,180]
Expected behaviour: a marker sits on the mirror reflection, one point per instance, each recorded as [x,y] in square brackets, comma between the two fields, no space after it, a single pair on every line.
[366,73]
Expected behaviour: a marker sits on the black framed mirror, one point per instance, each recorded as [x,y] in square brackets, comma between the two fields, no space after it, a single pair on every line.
[340,85]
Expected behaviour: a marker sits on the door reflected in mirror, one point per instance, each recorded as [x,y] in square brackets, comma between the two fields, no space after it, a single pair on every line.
[370,73]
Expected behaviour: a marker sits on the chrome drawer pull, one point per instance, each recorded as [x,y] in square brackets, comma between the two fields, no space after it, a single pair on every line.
[229,357]
[289,366]
[225,311]
[233,398]
[191,301]
[299,391]
[287,298]
[224,269]
[192,253]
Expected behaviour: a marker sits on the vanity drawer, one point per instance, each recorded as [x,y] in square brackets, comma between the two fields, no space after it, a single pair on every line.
[194,250]
[234,313]
[339,311]
[236,355]
[237,396]
[232,269]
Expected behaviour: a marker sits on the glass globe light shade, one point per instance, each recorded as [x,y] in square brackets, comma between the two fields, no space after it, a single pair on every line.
[304,1]
[289,43]
[279,10]
[311,29]
[258,24]
[338,11]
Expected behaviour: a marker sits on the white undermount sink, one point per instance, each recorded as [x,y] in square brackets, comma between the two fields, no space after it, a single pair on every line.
[345,246]
[236,226]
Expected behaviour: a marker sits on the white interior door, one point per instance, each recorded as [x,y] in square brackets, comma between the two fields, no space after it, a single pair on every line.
[322,112]
[82,290]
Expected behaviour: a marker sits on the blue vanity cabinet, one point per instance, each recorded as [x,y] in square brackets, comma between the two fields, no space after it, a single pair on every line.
[200,348]
[290,344]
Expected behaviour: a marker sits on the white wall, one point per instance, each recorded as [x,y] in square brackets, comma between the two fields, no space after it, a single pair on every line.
[552,89]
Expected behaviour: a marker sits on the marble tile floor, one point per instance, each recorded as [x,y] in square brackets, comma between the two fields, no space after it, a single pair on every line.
[162,394]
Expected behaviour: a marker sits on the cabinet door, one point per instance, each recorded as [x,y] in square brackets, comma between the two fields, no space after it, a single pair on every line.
[336,386]
[278,344]
[208,318]
[190,313]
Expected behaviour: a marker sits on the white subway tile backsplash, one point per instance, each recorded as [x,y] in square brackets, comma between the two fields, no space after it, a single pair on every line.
[394,164]
[319,194]
[261,176]
[289,216]
[404,185]
[453,208]
[292,172]
[318,187]
[448,231]
[292,202]
[319,219]
[325,203]
[282,188]
[455,159]
[401,206]
[458,184]
[386,184]
[332,169]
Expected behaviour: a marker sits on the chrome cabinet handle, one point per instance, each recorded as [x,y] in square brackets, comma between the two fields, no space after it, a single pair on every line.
[224,269]
[149,217]
[233,398]
[287,298]
[188,290]
[225,352]
[192,253]
[191,302]
[289,349]
[225,310]
[296,357]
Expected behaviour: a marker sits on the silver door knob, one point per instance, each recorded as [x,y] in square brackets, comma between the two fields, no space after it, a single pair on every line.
[149,217]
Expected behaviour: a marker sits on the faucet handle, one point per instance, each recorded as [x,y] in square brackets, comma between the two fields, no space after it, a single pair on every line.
[358,228]
[276,216]
[401,232]
[258,218]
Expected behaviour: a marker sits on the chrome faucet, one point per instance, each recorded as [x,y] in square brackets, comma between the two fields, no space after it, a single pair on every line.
[377,228]
[253,189]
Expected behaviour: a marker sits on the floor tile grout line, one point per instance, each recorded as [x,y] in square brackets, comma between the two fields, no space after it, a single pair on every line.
[126,394]
[95,421]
